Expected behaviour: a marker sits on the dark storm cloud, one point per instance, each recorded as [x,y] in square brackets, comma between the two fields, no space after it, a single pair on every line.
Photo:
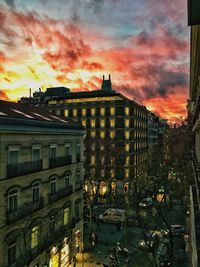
[10,3]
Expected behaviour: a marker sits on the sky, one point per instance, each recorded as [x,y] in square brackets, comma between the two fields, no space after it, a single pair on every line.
[143,44]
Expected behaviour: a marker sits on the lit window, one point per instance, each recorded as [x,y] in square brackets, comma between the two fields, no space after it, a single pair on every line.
[126,173]
[127,123]
[112,123]
[93,146]
[93,159]
[102,123]
[75,112]
[101,147]
[66,112]
[127,147]
[112,134]
[112,111]
[92,111]
[92,133]
[127,134]
[84,112]
[34,236]
[84,122]
[93,122]
[66,216]
[127,160]
[127,110]
[102,111]
[102,134]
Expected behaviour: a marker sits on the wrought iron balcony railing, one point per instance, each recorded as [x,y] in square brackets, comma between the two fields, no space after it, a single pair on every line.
[14,170]
[60,194]
[24,210]
[60,161]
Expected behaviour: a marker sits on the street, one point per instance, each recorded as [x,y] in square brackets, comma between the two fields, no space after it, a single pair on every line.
[107,236]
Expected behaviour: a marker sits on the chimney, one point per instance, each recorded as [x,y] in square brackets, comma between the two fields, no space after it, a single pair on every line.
[103,77]
[30,92]
[109,77]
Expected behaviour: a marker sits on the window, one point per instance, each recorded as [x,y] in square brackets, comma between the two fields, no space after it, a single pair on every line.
[127,123]
[67,180]
[127,134]
[52,225]
[112,111]
[78,152]
[66,216]
[36,192]
[74,112]
[13,156]
[11,254]
[34,236]
[92,133]
[127,160]
[102,134]
[126,173]
[53,151]
[36,153]
[66,112]
[84,122]
[102,111]
[93,159]
[112,134]
[53,186]
[78,177]
[84,112]
[102,123]
[67,150]
[127,110]
[12,201]
[127,147]
[92,122]
[112,123]
[93,111]
[77,211]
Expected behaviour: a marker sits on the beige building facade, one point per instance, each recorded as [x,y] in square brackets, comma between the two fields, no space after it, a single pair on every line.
[41,181]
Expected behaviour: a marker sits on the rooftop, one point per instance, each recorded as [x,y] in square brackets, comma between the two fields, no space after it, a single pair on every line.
[21,114]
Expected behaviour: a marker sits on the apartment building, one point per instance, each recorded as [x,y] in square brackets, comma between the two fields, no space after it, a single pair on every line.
[116,141]
[194,112]
[41,181]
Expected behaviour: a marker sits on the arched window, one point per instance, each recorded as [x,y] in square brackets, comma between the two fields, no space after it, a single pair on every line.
[12,200]
[36,192]
[53,185]
[67,176]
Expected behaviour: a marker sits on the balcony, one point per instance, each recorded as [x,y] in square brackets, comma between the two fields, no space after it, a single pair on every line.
[60,161]
[78,158]
[47,242]
[78,186]
[60,194]
[14,170]
[23,211]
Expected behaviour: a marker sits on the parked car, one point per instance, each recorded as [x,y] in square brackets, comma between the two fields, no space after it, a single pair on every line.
[146,202]
[175,230]
[113,216]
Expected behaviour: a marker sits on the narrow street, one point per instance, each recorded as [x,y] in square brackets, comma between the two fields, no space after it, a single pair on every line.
[129,236]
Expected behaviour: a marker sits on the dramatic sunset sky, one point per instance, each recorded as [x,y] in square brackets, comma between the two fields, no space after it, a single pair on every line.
[143,44]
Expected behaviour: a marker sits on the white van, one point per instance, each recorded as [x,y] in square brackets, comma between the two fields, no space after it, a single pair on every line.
[113,215]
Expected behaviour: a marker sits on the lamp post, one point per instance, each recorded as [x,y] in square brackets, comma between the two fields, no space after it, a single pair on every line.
[102,189]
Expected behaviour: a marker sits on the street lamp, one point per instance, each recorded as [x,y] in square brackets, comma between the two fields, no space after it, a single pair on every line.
[102,189]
